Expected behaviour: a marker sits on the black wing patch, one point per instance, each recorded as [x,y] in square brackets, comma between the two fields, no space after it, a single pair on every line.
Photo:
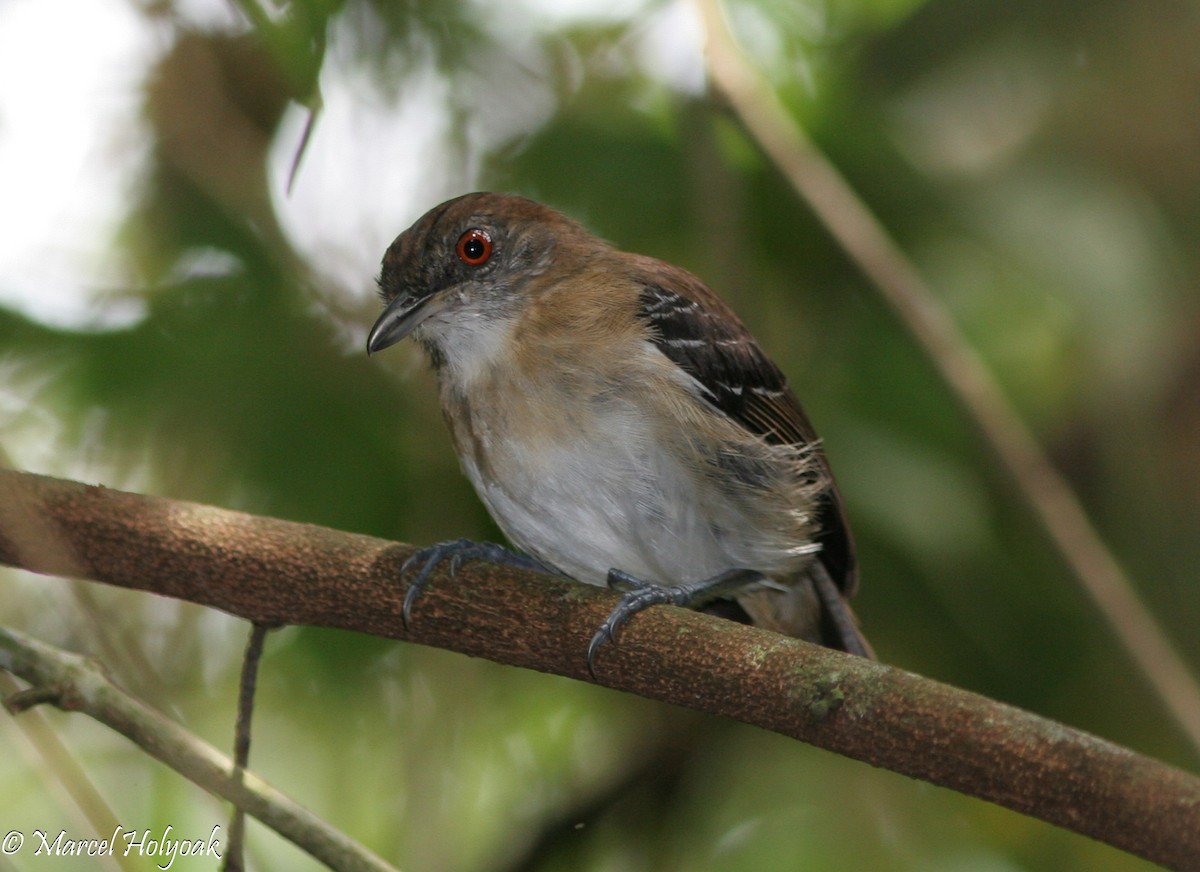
[699,333]
[712,346]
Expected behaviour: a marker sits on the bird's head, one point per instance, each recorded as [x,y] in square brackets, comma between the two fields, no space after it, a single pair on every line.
[468,267]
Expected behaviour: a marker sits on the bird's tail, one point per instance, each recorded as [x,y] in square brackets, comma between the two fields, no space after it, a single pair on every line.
[838,624]
[809,606]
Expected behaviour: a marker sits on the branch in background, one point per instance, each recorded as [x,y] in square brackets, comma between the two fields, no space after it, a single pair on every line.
[278,572]
[84,802]
[868,244]
[75,683]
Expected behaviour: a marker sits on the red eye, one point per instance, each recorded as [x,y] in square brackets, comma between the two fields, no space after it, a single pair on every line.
[474,247]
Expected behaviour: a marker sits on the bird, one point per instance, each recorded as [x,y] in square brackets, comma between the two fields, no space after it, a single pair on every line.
[619,422]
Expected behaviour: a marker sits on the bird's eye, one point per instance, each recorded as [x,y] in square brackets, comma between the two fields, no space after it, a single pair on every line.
[474,247]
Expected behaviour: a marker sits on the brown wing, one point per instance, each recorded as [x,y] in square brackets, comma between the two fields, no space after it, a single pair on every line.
[699,333]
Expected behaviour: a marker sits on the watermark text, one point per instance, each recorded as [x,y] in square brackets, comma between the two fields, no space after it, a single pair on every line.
[164,848]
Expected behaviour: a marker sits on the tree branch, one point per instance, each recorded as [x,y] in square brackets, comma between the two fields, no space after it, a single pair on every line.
[277,572]
[75,683]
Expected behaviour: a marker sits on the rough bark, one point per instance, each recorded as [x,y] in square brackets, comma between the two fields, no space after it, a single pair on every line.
[278,572]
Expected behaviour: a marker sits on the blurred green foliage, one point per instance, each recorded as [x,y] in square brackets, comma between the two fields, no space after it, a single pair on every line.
[1040,161]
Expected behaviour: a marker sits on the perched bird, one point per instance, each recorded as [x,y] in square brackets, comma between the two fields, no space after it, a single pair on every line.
[619,422]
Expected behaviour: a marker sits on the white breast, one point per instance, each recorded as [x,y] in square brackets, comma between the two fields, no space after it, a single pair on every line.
[586,509]
[597,489]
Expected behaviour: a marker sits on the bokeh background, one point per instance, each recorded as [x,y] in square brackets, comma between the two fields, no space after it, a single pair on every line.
[176,318]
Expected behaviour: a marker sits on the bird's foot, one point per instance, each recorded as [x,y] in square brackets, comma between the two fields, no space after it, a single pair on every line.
[641,594]
[458,552]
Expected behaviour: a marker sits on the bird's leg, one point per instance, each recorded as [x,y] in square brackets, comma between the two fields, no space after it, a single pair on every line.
[641,594]
[459,551]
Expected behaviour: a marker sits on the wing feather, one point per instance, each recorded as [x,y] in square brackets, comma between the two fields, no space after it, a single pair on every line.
[696,330]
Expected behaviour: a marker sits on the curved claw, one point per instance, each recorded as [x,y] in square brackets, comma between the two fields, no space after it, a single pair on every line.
[604,634]
[432,556]
[640,594]
[459,551]
[414,590]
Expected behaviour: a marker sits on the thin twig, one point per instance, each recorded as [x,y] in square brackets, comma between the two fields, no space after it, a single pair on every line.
[868,243]
[234,861]
[282,573]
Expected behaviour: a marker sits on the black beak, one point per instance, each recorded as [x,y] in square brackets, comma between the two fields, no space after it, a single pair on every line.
[399,318]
